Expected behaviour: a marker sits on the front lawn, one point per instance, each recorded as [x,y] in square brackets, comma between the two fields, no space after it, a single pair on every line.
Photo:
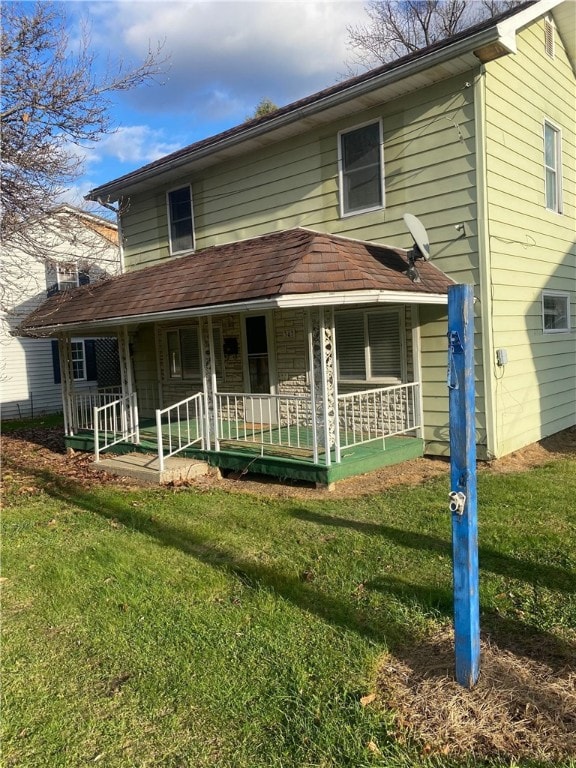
[178,627]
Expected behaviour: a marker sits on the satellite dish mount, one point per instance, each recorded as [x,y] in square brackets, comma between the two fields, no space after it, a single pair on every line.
[421,247]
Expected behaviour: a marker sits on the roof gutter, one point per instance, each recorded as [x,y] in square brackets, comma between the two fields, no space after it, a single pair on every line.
[502,33]
[292,301]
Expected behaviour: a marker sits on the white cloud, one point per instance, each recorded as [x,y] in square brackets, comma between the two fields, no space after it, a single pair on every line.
[133,144]
[226,55]
[128,147]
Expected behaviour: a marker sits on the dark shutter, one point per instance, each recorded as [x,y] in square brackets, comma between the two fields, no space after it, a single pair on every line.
[91,371]
[56,362]
[83,276]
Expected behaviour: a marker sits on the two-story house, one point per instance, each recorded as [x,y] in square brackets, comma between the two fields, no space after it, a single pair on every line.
[269,316]
[54,254]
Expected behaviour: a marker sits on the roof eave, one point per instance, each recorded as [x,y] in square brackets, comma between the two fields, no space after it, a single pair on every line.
[503,35]
[289,301]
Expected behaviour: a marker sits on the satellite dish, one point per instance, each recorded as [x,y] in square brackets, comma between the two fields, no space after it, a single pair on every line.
[421,247]
[420,236]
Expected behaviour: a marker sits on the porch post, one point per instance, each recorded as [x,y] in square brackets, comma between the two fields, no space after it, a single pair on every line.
[323,379]
[67,383]
[417,369]
[206,343]
[127,379]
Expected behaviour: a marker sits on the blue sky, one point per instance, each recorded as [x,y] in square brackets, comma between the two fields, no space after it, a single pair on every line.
[225,55]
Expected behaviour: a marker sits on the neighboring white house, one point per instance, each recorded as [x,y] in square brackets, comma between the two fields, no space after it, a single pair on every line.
[74,248]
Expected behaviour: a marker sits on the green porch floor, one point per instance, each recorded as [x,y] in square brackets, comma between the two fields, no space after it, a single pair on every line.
[277,461]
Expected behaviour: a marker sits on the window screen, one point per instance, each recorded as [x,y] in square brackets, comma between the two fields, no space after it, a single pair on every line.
[552,165]
[361,169]
[350,345]
[181,221]
[555,312]
[369,345]
[385,345]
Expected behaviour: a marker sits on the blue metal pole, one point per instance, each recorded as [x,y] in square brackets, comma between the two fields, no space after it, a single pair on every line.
[463,497]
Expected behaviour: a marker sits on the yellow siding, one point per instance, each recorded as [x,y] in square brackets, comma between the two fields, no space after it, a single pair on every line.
[429,170]
[532,249]
[429,141]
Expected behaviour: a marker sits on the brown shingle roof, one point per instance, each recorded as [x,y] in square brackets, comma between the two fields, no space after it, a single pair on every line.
[295,261]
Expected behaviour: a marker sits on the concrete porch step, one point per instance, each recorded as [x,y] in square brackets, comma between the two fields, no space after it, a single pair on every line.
[145,468]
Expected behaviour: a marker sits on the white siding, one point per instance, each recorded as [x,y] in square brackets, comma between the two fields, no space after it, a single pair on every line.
[26,370]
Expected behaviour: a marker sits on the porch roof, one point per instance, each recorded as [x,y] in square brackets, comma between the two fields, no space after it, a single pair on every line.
[296,267]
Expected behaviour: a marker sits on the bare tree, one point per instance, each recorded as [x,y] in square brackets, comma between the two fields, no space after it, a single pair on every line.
[398,27]
[53,101]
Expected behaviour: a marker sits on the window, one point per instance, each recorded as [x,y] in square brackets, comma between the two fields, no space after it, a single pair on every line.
[181,220]
[553,166]
[78,360]
[183,354]
[369,345]
[361,169]
[61,276]
[67,276]
[555,312]
[183,351]
[83,360]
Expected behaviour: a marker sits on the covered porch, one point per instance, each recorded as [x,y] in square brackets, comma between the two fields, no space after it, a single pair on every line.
[295,354]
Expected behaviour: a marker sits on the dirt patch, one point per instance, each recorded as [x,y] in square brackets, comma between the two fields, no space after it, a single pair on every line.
[42,450]
[522,707]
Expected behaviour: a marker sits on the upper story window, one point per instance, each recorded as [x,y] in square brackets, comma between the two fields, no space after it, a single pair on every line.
[361,169]
[181,219]
[555,312]
[553,167]
[64,276]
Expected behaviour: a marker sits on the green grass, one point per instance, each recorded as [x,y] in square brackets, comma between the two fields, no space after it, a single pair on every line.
[46,420]
[178,628]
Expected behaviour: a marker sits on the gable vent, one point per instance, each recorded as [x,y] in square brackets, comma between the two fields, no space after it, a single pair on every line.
[549,38]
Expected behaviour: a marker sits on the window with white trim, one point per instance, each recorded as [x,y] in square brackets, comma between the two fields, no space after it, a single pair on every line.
[183,353]
[180,219]
[555,312]
[78,353]
[361,169]
[553,166]
[370,345]
[66,276]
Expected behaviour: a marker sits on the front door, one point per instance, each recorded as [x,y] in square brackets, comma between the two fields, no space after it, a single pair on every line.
[259,410]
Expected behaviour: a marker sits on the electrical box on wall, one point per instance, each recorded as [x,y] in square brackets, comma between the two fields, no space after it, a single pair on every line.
[501,356]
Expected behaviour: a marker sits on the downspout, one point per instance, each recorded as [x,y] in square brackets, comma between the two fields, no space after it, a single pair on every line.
[485,263]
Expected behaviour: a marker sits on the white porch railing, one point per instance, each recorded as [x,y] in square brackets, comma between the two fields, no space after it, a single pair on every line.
[378,413]
[266,420]
[271,423]
[85,402]
[114,423]
[179,426]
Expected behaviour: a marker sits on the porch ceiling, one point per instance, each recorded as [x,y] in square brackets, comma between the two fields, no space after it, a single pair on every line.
[296,267]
